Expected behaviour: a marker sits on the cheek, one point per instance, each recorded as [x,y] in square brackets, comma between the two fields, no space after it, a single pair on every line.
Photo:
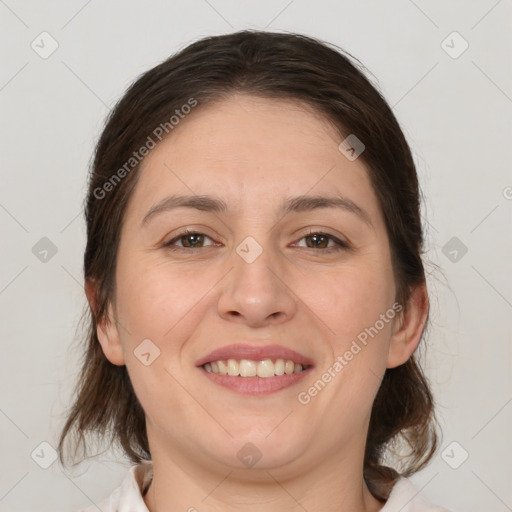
[351,302]
[350,299]
[162,305]
[155,300]
[351,305]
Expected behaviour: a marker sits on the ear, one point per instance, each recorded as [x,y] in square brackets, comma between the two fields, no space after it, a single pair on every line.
[409,327]
[106,328]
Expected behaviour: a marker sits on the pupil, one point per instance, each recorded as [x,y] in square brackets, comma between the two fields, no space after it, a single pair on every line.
[193,238]
[316,238]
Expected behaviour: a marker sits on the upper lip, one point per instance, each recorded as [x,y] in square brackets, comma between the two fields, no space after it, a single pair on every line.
[255,353]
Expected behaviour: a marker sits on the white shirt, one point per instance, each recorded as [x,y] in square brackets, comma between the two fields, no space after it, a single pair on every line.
[128,497]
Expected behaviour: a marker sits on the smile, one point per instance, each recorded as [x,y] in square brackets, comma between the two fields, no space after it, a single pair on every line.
[253,369]
[249,368]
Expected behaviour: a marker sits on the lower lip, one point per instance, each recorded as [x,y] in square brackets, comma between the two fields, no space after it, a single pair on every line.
[256,385]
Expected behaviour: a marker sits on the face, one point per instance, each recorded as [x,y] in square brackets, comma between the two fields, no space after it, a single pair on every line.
[286,258]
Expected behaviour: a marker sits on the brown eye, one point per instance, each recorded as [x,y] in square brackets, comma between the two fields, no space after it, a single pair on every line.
[317,241]
[324,241]
[192,240]
[188,240]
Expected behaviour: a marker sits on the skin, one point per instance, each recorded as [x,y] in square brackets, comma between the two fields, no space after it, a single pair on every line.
[253,153]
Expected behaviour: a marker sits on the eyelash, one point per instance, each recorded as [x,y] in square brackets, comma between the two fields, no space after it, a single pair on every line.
[340,245]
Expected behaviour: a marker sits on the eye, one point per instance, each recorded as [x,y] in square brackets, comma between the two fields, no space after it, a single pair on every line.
[188,240]
[314,240]
[320,240]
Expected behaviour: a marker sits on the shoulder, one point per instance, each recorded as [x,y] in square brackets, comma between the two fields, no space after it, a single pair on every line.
[128,497]
[406,498]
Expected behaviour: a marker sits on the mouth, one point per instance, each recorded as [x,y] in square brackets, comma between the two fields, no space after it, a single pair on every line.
[247,368]
[255,370]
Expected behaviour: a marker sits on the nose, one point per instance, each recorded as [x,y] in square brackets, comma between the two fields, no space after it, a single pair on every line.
[256,293]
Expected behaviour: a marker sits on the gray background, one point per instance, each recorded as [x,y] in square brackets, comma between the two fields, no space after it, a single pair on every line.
[455,110]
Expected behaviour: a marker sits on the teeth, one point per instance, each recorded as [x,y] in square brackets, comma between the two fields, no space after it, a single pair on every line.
[247,368]
[233,368]
[223,367]
[266,368]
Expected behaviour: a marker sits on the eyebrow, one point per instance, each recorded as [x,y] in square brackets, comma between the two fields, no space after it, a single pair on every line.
[294,204]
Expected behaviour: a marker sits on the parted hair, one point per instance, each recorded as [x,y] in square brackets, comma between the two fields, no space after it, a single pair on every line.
[269,65]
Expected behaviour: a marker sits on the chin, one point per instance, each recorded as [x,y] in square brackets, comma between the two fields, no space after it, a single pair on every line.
[257,450]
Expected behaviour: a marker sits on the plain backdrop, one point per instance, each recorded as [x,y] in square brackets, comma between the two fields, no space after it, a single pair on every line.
[445,69]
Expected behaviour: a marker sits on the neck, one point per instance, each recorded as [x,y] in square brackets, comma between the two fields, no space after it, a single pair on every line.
[182,482]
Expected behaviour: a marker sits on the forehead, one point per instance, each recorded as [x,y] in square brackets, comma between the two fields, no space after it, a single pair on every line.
[252,151]
[245,127]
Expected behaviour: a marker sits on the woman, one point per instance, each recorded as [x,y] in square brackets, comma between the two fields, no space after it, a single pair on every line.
[256,287]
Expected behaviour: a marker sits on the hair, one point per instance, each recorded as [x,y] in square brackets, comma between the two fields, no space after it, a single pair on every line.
[275,66]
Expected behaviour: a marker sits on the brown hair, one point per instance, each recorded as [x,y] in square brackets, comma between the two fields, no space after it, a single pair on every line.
[271,65]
